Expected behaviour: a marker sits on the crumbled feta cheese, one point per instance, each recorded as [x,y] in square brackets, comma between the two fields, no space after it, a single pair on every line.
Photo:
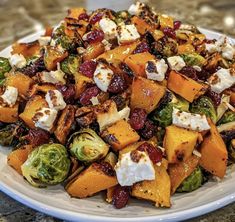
[221,80]
[107,45]
[44,118]
[18,61]
[211,48]
[127,34]
[52,77]
[156,70]
[129,172]
[136,8]
[102,77]
[228,51]
[190,121]
[176,63]
[94,100]
[55,100]
[44,40]
[10,95]
[109,28]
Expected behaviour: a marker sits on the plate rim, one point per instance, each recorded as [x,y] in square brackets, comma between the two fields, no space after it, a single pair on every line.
[75,216]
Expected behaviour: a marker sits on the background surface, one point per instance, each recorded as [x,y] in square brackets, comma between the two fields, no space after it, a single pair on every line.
[22,17]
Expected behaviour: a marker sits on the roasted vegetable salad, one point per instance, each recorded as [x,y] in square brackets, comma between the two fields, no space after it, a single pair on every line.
[132,102]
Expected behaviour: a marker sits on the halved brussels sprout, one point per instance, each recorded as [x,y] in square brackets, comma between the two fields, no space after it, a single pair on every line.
[4,67]
[87,146]
[71,64]
[194,59]
[7,135]
[48,164]
[192,182]
[205,106]
[229,116]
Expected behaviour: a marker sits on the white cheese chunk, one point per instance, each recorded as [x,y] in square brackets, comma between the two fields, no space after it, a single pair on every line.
[102,77]
[45,118]
[10,95]
[18,61]
[190,121]
[55,100]
[52,77]
[228,51]
[212,48]
[107,45]
[136,8]
[156,70]
[176,63]
[127,34]
[221,80]
[109,28]
[129,172]
[94,100]
[44,40]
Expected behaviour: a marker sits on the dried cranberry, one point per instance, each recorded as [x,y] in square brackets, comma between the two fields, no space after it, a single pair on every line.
[215,97]
[138,118]
[83,16]
[86,96]
[88,68]
[68,92]
[107,168]
[95,36]
[177,25]
[37,137]
[189,72]
[117,84]
[120,101]
[155,154]
[148,131]
[95,18]
[121,196]
[169,32]
[142,47]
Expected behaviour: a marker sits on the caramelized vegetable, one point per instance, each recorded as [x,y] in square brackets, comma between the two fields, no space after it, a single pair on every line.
[9,114]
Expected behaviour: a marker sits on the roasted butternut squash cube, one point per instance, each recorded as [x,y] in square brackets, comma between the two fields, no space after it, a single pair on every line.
[179,143]
[17,157]
[26,49]
[166,22]
[120,134]
[214,153]
[90,182]
[141,25]
[119,53]
[186,48]
[146,94]
[157,190]
[81,82]
[186,87]
[33,105]
[9,114]
[21,82]
[109,196]
[137,62]
[180,171]
[93,51]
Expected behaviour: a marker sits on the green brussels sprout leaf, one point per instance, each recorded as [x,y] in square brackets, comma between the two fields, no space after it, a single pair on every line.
[87,146]
[47,164]
[4,67]
[71,64]
[194,59]
[229,116]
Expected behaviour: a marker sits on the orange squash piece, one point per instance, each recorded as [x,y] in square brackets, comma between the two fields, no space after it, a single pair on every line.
[141,25]
[179,143]
[214,153]
[158,190]
[146,94]
[81,82]
[26,49]
[137,62]
[185,87]
[93,51]
[90,182]
[120,134]
[17,157]
[21,82]
[180,171]
[9,114]
[35,103]
[185,48]
[119,53]
[166,21]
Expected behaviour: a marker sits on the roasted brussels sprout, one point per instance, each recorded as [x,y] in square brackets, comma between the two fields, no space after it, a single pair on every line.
[48,164]
[71,64]
[4,67]
[7,135]
[229,116]
[193,59]
[111,158]
[205,106]
[87,146]
[121,16]
[192,182]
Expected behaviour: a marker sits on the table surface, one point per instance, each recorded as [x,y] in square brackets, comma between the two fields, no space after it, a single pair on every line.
[22,17]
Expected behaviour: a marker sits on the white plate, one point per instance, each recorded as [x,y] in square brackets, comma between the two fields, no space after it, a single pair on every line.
[54,200]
